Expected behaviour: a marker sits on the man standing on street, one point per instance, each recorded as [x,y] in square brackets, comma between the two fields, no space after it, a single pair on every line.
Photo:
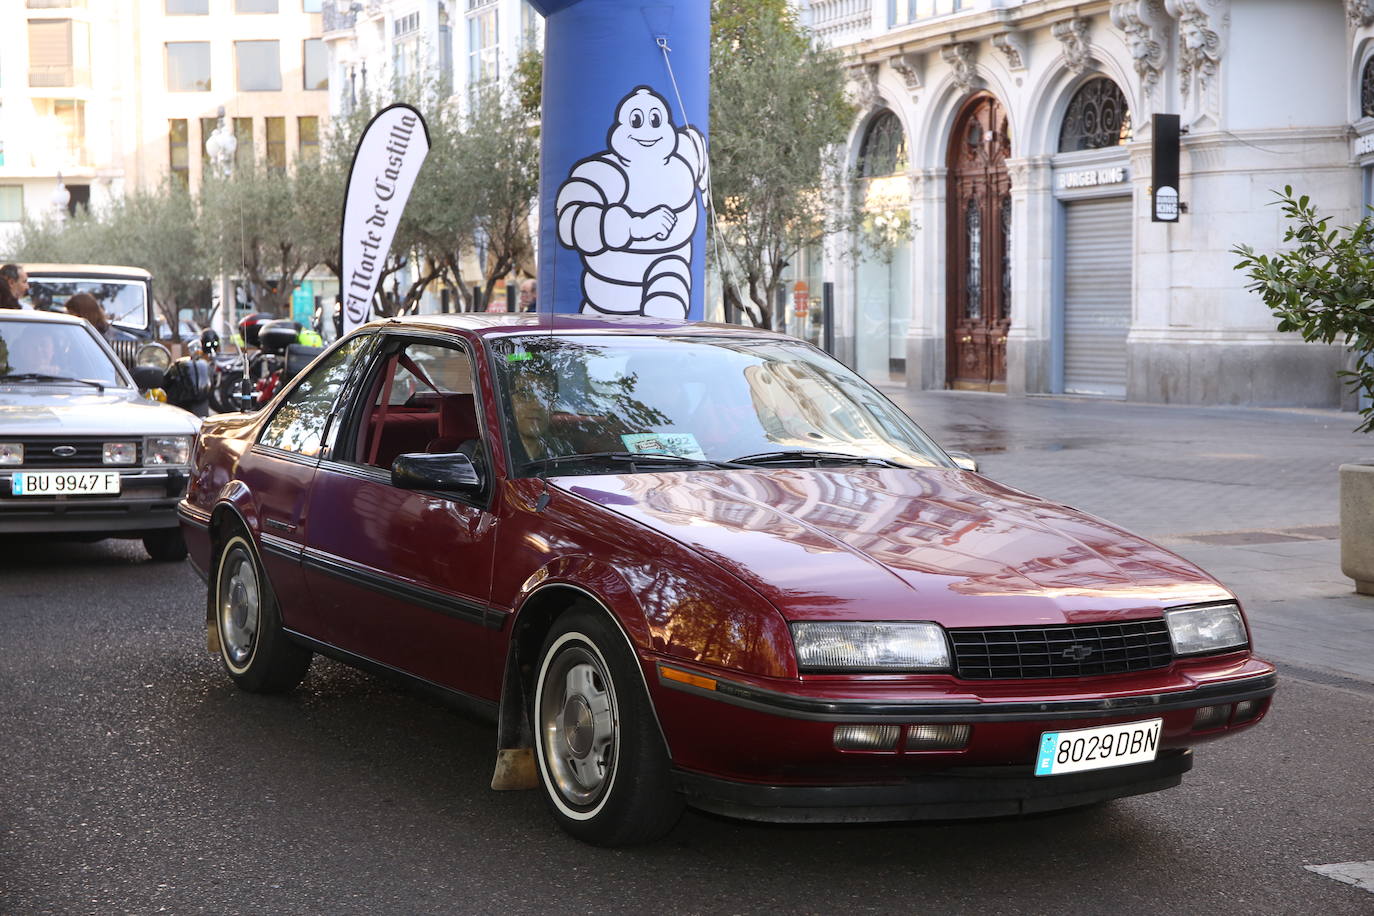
[14,285]
[527,298]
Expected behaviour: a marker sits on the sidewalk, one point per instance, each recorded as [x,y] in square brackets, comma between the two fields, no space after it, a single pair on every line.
[1248,494]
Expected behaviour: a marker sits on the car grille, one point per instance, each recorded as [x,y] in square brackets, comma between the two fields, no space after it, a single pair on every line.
[38,453]
[1065,651]
[127,351]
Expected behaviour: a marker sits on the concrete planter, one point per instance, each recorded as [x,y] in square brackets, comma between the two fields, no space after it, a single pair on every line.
[1357,524]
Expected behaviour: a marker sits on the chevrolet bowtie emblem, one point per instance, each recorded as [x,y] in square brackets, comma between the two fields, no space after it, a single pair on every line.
[1078,652]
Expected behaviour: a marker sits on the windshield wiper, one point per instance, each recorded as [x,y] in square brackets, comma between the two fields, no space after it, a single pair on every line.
[802,454]
[646,459]
[44,377]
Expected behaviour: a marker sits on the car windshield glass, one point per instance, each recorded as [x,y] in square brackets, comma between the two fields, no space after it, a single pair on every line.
[124,301]
[32,349]
[712,398]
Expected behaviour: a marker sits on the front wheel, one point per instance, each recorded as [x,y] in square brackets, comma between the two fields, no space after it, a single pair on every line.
[255,650]
[602,762]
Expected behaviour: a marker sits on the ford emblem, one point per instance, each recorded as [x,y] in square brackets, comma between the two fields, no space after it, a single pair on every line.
[64,451]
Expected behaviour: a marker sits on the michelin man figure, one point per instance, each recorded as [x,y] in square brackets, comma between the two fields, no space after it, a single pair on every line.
[631,211]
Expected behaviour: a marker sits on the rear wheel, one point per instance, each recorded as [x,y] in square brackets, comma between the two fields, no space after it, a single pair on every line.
[602,762]
[255,650]
[165,545]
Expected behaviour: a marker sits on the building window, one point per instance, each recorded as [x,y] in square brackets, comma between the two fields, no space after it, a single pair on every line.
[276,143]
[55,4]
[178,151]
[243,134]
[445,52]
[483,50]
[884,147]
[71,130]
[59,53]
[11,203]
[259,65]
[316,58]
[255,6]
[188,66]
[1367,89]
[1098,117]
[308,131]
[188,7]
[310,6]
[207,127]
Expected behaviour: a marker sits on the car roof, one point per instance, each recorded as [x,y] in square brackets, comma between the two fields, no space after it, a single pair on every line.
[37,315]
[492,324]
[83,270]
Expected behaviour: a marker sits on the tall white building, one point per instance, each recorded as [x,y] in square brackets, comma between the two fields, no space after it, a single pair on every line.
[1015,138]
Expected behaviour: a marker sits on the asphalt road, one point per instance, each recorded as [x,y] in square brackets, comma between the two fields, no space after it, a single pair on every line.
[137,779]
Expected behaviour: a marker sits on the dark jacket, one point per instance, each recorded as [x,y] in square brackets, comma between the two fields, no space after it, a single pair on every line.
[7,300]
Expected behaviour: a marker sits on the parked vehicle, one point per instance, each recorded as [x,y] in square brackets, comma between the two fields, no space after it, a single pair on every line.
[703,565]
[126,295]
[82,453]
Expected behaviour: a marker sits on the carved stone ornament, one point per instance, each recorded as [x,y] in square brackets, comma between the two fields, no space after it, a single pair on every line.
[865,79]
[1013,45]
[959,56]
[1359,12]
[1073,35]
[1146,28]
[908,67]
[1199,48]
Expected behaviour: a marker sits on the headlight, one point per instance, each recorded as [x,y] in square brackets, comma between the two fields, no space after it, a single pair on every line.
[119,452]
[158,450]
[1196,630]
[871,647]
[153,354]
[11,453]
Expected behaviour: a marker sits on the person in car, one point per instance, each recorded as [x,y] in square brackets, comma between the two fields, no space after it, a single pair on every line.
[84,305]
[14,285]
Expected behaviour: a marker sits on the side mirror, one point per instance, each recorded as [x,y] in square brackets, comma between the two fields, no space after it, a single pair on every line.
[965,461]
[435,472]
[147,377]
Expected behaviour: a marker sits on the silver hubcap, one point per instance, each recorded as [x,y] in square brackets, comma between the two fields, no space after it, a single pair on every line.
[579,722]
[239,606]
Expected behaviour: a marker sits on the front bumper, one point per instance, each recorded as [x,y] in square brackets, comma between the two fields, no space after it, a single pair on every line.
[764,749]
[147,501]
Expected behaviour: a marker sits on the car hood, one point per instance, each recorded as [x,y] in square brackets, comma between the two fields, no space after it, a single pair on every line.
[893,544]
[57,410]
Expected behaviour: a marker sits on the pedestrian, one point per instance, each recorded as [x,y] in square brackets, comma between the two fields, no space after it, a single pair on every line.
[84,305]
[14,285]
[527,301]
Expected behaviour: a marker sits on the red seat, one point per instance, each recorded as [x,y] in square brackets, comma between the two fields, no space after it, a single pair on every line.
[457,423]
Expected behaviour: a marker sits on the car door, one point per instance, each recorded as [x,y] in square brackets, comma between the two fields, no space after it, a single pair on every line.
[279,469]
[404,575]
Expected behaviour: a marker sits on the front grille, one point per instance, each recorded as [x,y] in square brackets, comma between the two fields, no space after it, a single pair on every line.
[38,453]
[127,351]
[1014,653]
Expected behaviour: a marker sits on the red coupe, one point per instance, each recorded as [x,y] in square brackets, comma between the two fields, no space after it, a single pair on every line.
[703,565]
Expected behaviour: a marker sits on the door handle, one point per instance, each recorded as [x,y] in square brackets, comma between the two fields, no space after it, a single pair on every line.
[1001,340]
[966,339]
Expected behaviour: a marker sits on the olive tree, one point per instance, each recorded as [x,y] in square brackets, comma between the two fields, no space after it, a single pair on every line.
[1323,287]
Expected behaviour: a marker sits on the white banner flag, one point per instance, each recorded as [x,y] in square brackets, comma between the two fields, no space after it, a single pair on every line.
[389,156]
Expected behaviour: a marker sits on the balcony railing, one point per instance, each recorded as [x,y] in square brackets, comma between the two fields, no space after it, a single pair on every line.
[56,4]
[836,20]
[59,77]
[337,15]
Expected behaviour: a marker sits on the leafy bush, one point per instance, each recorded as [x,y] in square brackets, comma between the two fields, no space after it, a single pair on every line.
[1323,288]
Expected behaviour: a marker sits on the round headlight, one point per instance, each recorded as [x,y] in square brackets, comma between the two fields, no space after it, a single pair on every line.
[153,354]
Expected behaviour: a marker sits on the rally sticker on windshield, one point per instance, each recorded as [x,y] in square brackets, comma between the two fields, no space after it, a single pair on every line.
[683,445]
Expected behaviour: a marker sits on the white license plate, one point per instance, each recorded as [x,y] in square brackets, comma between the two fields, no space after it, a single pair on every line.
[1097,748]
[63,483]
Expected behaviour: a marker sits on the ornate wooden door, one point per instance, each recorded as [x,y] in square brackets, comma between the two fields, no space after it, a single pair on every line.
[979,247]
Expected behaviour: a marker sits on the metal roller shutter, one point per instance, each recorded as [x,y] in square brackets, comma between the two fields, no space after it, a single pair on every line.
[1097,295]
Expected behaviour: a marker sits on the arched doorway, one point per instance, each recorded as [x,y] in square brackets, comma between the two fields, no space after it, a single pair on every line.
[883,275]
[979,247]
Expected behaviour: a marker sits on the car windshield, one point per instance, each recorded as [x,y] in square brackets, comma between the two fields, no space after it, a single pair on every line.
[124,301]
[43,351]
[578,404]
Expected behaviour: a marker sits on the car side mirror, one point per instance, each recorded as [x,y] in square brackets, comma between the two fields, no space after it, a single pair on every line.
[450,471]
[964,460]
[147,377]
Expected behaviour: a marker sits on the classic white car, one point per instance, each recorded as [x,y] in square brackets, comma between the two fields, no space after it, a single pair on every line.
[82,451]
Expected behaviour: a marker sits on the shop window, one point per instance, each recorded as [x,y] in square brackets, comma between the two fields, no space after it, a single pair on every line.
[316,68]
[884,147]
[178,151]
[188,66]
[308,133]
[1098,117]
[1367,89]
[259,66]
[276,143]
[188,7]
[11,203]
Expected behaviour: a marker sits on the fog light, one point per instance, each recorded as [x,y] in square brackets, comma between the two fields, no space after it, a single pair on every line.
[1211,717]
[937,737]
[1247,710]
[866,737]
